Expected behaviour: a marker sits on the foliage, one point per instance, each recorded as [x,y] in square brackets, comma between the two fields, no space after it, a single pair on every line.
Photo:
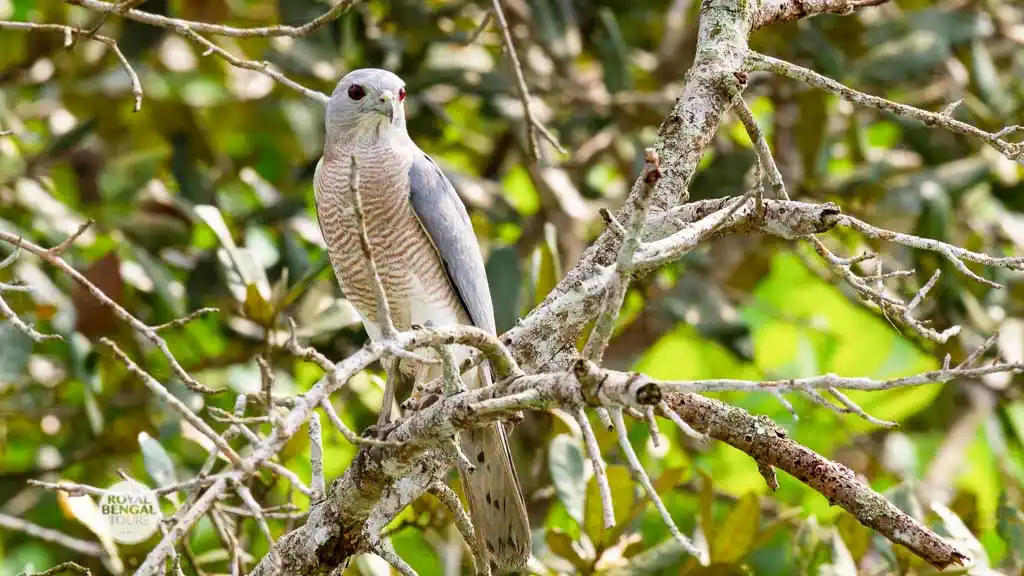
[203,199]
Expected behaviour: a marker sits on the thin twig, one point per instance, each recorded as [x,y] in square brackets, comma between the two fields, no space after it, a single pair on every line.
[179,322]
[139,326]
[50,535]
[161,392]
[316,459]
[450,499]
[765,63]
[640,474]
[524,92]
[218,29]
[484,23]
[597,463]
[69,33]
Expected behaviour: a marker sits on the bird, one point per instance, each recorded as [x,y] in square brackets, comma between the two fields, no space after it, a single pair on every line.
[430,268]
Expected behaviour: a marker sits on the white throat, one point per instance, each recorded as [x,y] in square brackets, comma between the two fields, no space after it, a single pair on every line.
[371,131]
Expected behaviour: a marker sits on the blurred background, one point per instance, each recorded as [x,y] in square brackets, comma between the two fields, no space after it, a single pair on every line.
[603,74]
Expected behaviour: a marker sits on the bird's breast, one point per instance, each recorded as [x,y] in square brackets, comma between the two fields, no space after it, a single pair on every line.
[410,270]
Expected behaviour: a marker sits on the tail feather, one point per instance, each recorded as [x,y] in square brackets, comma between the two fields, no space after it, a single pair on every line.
[495,498]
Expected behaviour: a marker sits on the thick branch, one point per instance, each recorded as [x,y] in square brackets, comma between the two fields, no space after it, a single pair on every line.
[769,444]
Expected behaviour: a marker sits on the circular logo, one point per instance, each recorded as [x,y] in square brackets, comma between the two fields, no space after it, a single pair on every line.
[132,511]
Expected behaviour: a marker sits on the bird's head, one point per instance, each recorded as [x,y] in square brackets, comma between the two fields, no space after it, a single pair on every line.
[365,101]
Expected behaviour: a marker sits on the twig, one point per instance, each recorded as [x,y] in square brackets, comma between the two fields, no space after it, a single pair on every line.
[524,92]
[597,462]
[954,254]
[59,249]
[68,566]
[383,319]
[179,322]
[8,313]
[50,535]
[378,547]
[349,434]
[610,306]
[161,392]
[764,153]
[69,33]
[119,311]
[640,474]
[480,28]
[257,513]
[826,381]
[218,29]
[267,380]
[262,67]
[853,407]
[450,499]
[765,63]
[680,423]
[316,459]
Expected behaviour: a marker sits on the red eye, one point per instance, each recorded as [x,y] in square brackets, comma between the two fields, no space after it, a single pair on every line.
[401,94]
[356,92]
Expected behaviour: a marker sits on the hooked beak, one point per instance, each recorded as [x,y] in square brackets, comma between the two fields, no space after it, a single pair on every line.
[387,105]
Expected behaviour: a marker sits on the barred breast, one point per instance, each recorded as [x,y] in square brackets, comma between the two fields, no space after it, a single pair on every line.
[413,276]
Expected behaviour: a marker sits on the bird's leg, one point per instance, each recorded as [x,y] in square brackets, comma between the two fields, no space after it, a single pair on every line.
[390,383]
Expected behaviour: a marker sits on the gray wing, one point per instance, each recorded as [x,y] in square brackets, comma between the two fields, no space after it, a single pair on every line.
[444,218]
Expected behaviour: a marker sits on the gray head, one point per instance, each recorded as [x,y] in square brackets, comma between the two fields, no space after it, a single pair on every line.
[366,100]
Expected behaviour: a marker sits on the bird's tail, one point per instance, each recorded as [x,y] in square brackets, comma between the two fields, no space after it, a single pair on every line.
[492,489]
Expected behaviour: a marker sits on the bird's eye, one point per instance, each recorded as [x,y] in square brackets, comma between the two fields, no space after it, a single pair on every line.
[401,94]
[356,92]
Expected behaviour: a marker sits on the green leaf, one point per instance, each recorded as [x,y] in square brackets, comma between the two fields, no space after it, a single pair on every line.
[257,308]
[805,545]
[1010,526]
[611,48]
[620,484]
[956,528]
[546,265]
[855,535]
[242,262]
[735,537]
[158,463]
[985,80]
[505,279]
[842,560]
[560,543]
[15,349]
[565,463]
[1015,415]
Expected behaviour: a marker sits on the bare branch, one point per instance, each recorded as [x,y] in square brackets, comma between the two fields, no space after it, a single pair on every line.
[179,322]
[262,67]
[318,485]
[161,392]
[524,92]
[58,262]
[68,566]
[770,445]
[217,29]
[50,535]
[69,33]
[450,499]
[768,64]
[597,462]
[640,474]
